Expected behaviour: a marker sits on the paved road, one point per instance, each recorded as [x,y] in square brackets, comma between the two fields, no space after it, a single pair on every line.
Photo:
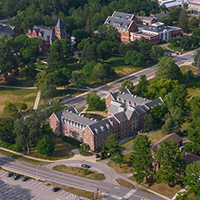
[29,190]
[149,72]
[112,191]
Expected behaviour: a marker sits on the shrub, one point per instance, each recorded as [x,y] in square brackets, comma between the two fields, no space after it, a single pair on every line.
[70,140]
[45,146]
[24,106]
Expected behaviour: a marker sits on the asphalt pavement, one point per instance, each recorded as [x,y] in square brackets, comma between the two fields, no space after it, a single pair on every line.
[111,191]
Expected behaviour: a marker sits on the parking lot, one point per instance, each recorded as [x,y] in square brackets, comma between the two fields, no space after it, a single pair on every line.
[29,190]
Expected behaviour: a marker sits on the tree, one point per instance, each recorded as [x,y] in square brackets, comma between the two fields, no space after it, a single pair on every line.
[77,79]
[8,61]
[19,42]
[185,43]
[112,144]
[88,68]
[84,148]
[197,62]
[195,107]
[10,109]
[104,50]
[43,77]
[174,13]
[128,84]
[191,179]
[149,123]
[156,52]
[183,20]
[168,127]
[99,72]
[194,131]
[47,91]
[193,22]
[194,40]
[31,70]
[196,32]
[134,58]
[170,160]
[145,48]
[142,86]
[89,53]
[56,61]
[6,128]
[161,87]
[45,146]
[61,77]
[24,106]
[177,98]
[94,101]
[142,158]
[168,69]
[79,35]
[117,157]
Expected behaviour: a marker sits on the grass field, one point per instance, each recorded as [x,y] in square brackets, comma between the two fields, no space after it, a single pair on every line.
[16,96]
[124,167]
[156,136]
[127,143]
[78,171]
[161,188]
[118,64]
[62,150]
[176,48]
[186,68]
[18,157]
[125,183]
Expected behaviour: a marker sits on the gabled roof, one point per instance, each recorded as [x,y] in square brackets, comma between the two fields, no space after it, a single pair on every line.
[172,136]
[48,33]
[6,30]
[60,23]
[190,158]
[121,116]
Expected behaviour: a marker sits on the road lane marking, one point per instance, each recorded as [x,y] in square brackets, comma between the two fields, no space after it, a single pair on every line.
[144,198]
[56,175]
[129,193]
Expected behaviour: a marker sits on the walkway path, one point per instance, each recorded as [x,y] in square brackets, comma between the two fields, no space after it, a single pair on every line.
[166,46]
[37,101]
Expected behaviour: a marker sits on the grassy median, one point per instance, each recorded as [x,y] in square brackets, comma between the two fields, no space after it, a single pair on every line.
[78,171]
[125,183]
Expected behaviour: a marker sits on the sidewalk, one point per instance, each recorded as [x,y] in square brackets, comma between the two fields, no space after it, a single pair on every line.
[37,101]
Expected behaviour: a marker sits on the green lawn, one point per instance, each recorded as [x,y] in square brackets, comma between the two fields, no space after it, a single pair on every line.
[186,68]
[118,64]
[176,48]
[62,150]
[124,167]
[78,171]
[126,144]
[16,96]
[195,89]
[156,136]
[94,116]
[18,157]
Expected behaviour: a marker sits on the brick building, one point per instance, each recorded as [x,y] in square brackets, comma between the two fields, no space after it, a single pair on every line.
[126,118]
[49,34]
[133,27]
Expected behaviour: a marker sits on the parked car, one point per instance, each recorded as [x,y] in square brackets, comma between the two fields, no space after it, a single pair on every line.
[59,99]
[9,174]
[25,178]
[50,103]
[85,166]
[16,176]
[67,96]
[55,189]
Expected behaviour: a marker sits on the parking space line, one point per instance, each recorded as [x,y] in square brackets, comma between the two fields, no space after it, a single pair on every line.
[34,183]
[48,189]
[37,184]
[65,194]
[29,181]
[43,187]
[62,192]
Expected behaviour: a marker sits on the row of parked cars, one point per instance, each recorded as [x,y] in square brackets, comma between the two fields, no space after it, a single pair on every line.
[59,99]
[25,178]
